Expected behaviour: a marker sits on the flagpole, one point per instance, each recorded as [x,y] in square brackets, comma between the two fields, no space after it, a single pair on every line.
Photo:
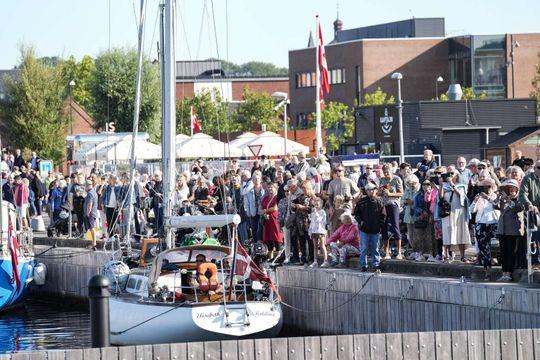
[318,132]
[191,120]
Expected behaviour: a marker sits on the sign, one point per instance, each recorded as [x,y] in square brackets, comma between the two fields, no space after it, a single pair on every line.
[386,123]
[255,149]
[110,127]
[45,167]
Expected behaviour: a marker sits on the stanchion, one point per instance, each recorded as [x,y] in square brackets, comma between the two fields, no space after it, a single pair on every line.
[98,292]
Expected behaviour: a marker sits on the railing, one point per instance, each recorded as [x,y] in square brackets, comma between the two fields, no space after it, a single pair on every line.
[411,159]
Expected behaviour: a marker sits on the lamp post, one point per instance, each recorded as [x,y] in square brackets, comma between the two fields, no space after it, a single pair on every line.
[439,80]
[398,76]
[513,46]
[283,101]
[71,85]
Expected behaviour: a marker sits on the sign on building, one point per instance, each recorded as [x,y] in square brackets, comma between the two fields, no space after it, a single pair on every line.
[45,167]
[386,123]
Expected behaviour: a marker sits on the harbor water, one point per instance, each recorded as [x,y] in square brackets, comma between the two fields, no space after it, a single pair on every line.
[44,326]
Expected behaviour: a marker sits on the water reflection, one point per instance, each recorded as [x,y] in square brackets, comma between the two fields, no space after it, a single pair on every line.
[42,326]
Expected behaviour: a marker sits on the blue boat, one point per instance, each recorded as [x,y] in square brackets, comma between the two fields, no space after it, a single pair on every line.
[12,295]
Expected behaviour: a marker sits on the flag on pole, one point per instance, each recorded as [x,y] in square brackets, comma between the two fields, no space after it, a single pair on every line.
[324,79]
[246,268]
[13,246]
[195,127]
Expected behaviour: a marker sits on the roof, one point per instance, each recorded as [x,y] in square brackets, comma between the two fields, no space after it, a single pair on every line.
[513,136]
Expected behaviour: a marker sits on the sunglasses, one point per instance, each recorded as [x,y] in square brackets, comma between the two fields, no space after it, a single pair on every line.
[481,167]
[538,168]
[438,173]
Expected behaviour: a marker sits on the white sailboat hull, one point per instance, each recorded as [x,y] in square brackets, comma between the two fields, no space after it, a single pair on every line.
[136,323]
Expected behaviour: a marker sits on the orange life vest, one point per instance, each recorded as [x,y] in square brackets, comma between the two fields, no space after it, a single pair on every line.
[207,283]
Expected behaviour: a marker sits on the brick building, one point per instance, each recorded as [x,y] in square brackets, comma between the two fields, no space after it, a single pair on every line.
[361,60]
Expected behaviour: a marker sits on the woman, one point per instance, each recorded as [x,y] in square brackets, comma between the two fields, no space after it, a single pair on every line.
[412,187]
[181,191]
[271,235]
[511,227]
[219,194]
[485,222]
[252,205]
[455,229]
[515,173]
[345,241]
[201,194]
[303,206]
[423,221]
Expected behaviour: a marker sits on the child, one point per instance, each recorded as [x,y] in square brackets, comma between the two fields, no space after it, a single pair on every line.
[317,230]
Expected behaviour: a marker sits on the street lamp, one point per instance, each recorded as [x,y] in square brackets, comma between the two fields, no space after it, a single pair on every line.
[71,85]
[283,99]
[398,76]
[439,80]
[513,45]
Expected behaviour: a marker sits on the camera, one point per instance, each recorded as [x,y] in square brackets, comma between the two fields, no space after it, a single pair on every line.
[445,177]
[434,179]
[483,188]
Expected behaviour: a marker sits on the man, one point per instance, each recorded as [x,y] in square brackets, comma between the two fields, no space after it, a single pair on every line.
[156,193]
[344,187]
[294,192]
[427,163]
[18,160]
[404,171]
[314,177]
[96,169]
[355,174]
[391,190]
[37,187]
[520,160]
[464,173]
[370,213]
[90,211]
[302,167]
[7,189]
[529,192]
[20,198]
[109,201]
[4,165]
[364,179]
[34,162]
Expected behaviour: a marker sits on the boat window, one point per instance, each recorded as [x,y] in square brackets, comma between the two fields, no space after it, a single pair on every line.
[131,283]
[138,284]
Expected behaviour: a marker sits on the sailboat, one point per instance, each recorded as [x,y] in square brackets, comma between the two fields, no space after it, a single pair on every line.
[197,292]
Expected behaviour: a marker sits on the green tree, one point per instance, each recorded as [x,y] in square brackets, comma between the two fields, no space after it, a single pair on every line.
[258,109]
[338,120]
[81,73]
[254,68]
[113,90]
[34,107]
[212,113]
[468,94]
[378,97]
[536,86]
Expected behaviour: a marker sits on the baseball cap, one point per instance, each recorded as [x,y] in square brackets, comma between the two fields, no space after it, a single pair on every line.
[473,162]
[510,182]
[371,186]
[88,182]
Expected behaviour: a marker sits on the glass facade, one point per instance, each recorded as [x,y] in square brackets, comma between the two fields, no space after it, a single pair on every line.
[479,62]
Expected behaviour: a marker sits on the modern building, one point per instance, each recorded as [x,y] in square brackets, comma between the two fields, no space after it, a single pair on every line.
[450,128]
[193,77]
[362,60]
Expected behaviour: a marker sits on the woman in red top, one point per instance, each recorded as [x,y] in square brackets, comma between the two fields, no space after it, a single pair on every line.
[271,233]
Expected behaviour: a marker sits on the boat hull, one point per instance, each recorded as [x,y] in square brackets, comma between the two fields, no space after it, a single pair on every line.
[170,323]
[9,295]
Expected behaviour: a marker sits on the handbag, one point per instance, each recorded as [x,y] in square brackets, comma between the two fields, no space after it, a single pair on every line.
[444,206]
[421,223]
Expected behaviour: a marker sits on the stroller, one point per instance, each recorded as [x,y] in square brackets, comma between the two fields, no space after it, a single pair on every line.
[61,225]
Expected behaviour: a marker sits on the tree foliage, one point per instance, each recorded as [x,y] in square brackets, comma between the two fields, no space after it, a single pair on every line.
[536,86]
[211,111]
[338,120]
[258,109]
[34,107]
[468,94]
[378,97]
[113,90]
[254,68]
[81,73]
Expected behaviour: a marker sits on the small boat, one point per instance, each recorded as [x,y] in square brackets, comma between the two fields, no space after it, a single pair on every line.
[16,260]
[194,293]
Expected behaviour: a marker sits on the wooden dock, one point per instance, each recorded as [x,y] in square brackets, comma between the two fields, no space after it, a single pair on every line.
[523,344]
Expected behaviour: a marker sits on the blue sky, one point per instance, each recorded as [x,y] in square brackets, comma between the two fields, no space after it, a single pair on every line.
[258,30]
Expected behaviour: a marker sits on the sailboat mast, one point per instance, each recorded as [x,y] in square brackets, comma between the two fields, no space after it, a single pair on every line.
[169,119]
[318,131]
[136,113]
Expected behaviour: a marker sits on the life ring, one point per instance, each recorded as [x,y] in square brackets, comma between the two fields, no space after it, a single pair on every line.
[208,277]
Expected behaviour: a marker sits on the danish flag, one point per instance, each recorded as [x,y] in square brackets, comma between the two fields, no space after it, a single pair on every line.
[195,127]
[13,246]
[324,81]
[246,268]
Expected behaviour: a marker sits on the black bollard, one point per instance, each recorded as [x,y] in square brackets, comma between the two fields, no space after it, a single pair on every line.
[98,292]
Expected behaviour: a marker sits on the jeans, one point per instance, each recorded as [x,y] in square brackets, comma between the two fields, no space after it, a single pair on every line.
[392,223]
[369,243]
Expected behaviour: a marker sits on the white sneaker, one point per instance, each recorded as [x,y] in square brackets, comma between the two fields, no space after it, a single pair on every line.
[399,257]
[419,258]
[314,265]
[431,259]
[287,261]
[387,257]
[504,278]
[325,264]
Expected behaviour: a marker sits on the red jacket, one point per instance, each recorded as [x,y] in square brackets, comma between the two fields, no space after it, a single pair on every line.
[347,234]
[20,194]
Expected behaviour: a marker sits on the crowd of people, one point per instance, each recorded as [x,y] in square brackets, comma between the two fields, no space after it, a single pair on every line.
[305,209]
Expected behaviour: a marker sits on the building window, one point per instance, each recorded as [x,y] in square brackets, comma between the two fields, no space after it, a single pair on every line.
[489,65]
[302,121]
[337,76]
[309,79]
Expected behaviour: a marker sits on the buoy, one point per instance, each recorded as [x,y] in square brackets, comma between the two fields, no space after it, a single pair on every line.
[40,274]
[38,224]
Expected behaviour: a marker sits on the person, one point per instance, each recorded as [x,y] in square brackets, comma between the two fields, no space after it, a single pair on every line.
[18,160]
[252,203]
[412,188]
[96,169]
[515,173]
[302,167]
[34,161]
[20,198]
[271,236]
[345,241]
[302,207]
[464,173]
[391,191]
[7,188]
[355,174]
[519,160]
[77,202]
[455,228]
[486,221]
[323,167]
[510,227]
[404,171]
[317,231]
[109,200]
[90,211]
[313,175]
[529,191]
[55,199]
[344,187]
[37,187]
[370,213]
[294,192]
[365,178]
[283,212]
[155,192]
[423,215]
[428,162]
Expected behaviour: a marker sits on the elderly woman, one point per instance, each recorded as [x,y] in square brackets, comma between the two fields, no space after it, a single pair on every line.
[455,229]
[345,241]
[271,234]
[303,206]
[423,218]
[485,222]
[412,187]
[515,173]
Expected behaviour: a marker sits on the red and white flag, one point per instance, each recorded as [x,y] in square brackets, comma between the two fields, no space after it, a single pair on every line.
[195,127]
[13,246]
[324,81]
[246,268]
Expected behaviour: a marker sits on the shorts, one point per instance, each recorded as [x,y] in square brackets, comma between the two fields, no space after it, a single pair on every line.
[90,222]
[22,210]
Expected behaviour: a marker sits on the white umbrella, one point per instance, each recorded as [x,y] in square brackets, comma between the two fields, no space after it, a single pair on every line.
[242,139]
[204,146]
[271,144]
[121,151]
